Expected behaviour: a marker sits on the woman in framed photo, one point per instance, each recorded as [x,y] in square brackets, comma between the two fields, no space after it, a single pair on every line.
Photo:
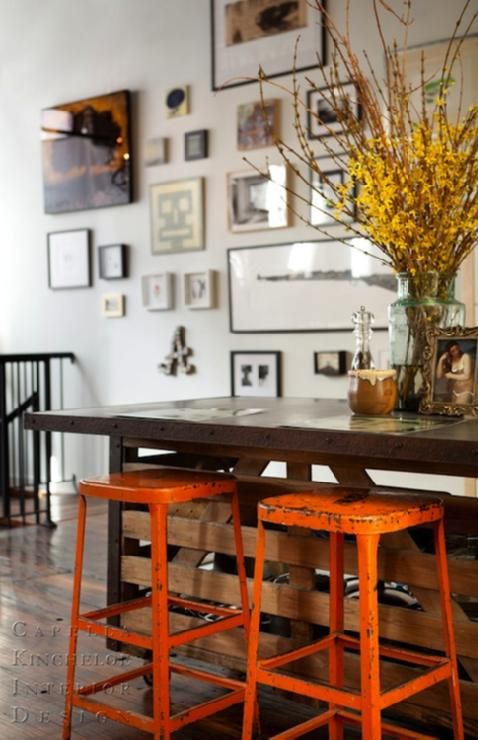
[455,366]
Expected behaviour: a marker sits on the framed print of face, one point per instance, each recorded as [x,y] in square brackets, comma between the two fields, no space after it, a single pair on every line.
[256,202]
[322,103]
[255,373]
[177,216]
[450,371]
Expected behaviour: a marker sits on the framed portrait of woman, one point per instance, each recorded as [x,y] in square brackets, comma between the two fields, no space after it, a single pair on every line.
[450,371]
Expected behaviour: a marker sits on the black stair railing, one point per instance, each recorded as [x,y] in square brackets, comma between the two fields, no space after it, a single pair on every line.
[28,382]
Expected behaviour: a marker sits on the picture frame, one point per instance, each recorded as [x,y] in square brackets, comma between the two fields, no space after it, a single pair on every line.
[158,291]
[200,289]
[256,373]
[177,101]
[112,261]
[266,281]
[257,202]
[330,363]
[86,153]
[258,124]
[196,144]
[323,198]
[68,259]
[113,305]
[177,216]
[156,151]
[322,120]
[450,371]
[241,41]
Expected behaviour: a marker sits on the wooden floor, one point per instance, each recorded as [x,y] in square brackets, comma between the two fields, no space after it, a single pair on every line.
[35,594]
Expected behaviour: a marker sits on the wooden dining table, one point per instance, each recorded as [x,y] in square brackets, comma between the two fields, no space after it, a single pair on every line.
[244,435]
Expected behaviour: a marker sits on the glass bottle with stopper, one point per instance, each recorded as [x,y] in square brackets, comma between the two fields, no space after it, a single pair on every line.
[362,320]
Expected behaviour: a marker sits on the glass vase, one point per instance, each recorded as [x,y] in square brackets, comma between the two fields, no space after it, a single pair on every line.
[424,300]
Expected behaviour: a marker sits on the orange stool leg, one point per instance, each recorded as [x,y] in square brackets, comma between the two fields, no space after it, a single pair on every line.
[251,683]
[160,620]
[336,620]
[447,619]
[367,546]
[75,611]
[241,568]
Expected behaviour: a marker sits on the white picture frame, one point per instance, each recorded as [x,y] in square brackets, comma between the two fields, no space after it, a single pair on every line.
[69,263]
[200,289]
[322,118]
[158,291]
[113,305]
[257,202]
[306,286]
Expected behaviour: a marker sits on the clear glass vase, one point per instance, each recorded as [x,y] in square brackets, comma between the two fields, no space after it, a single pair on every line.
[424,300]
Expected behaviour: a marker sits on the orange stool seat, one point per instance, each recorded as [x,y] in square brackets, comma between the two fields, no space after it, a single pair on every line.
[156,488]
[367,515]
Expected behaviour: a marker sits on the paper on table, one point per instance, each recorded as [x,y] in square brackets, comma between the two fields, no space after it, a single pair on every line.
[377,424]
[190,414]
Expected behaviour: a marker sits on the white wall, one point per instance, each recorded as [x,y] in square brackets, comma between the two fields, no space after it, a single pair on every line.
[57,51]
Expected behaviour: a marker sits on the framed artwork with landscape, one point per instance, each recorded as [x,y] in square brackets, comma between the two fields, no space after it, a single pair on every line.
[247,34]
[86,153]
[450,371]
[256,373]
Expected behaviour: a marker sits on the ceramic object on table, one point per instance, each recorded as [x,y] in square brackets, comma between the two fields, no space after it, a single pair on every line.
[372,391]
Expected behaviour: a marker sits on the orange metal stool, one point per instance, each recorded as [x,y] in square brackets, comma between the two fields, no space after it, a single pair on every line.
[366,515]
[156,488]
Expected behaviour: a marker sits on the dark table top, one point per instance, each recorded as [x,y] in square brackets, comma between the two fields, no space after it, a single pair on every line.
[301,430]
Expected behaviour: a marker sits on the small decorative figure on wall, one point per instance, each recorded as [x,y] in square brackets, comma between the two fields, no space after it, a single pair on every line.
[178,358]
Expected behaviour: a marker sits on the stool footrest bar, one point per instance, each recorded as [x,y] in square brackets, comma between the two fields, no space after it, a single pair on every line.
[313,690]
[115,633]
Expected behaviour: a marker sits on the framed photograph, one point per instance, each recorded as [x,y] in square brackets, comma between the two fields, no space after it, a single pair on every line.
[113,305]
[257,124]
[248,33]
[177,216]
[307,286]
[256,202]
[156,151]
[322,119]
[450,371]
[196,144]
[177,101]
[330,363]
[158,291]
[256,373]
[200,289]
[112,261]
[323,191]
[86,154]
[69,259]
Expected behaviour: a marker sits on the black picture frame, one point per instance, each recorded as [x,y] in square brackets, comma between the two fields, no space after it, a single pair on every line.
[112,261]
[196,144]
[331,363]
[256,374]
[69,259]
[318,105]
[235,70]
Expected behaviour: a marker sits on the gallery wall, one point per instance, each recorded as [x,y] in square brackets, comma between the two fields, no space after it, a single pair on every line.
[59,51]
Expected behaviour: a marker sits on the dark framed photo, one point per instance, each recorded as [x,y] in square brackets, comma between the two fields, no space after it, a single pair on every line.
[69,264]
[246,34]
[323,109]
[324,191]
[86,153]
[196,144]
[112,261]
[450,371]
[330,363]
[255,373]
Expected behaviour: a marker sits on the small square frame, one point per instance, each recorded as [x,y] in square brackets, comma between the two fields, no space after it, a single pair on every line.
[321,118]
[156,151]
[158,291]
[69,263]
[256,373]
[113,305]
[200,289]
[330,363]
[450,371]
[258,124]
[196,144]
[112,262]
